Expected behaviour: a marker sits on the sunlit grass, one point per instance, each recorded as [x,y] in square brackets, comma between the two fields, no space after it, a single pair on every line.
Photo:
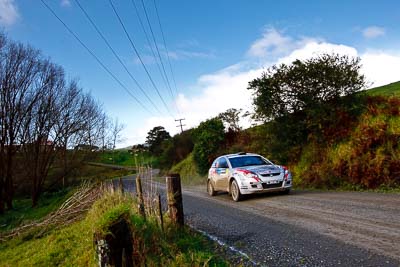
[68,246]
[188,171]
[392,89]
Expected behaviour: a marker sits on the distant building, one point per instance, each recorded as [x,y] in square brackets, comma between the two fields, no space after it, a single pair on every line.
[84,147]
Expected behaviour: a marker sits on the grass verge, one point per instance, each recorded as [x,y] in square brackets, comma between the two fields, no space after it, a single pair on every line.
[188,171]
[73,245]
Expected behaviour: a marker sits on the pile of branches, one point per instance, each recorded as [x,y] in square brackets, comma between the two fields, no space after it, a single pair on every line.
[72,210]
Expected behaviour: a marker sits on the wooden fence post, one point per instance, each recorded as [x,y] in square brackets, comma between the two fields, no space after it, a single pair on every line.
[121,185]
[140,196]
[174,198]
[160,213]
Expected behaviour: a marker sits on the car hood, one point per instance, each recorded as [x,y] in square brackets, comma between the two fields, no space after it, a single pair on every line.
[263,169]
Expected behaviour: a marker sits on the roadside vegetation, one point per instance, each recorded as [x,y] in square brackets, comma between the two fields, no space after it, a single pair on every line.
[72,245]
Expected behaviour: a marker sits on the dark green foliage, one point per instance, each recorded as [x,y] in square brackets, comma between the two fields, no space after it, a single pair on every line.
[176,149]
[208,138]
[155,138]
[305,85]
[231,119]
[301,102]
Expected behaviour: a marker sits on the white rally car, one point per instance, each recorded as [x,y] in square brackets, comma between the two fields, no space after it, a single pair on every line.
[246,173]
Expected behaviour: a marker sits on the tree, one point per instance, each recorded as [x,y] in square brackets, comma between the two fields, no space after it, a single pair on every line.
[306,84]
[41,115]
[20,68]
[300,101]
[176,148]
[154,139]
[231,119]
[208,138]
[116,129]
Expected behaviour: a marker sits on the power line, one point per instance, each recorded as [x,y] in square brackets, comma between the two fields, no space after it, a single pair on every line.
[138,55]
[95,57]
[166,49]
[158,51]
[148,40]
[115,54]
[159,56]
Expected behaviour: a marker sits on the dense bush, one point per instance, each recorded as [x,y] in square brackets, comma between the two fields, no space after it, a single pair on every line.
[176,149]
[208,139]
[367,157]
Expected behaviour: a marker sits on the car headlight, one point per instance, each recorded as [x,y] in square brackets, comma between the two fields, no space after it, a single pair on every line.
[286,173]
[246,174]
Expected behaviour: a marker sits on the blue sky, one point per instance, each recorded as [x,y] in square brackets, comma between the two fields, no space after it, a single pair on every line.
[215,48]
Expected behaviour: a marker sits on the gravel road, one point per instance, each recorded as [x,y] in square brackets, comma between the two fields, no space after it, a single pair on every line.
[303,228]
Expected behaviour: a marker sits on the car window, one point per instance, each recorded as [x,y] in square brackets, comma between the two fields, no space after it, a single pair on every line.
[214,164]
[222,163]
[248,161]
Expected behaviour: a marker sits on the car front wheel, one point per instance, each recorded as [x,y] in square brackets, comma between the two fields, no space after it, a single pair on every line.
[235,191]
[210,188]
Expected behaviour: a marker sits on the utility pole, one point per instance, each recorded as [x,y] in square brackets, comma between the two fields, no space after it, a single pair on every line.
[180,124]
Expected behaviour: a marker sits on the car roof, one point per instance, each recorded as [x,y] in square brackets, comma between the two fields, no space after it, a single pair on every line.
[240,154]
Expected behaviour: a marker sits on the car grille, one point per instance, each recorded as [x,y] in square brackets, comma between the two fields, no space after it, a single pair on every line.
[266,186]
[270,174]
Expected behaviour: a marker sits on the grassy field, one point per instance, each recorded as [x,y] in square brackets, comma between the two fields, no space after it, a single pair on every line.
[24,213]
[188,172]
[124,158]
[392,89]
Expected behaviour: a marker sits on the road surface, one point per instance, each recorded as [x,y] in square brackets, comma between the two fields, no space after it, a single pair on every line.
[303,228]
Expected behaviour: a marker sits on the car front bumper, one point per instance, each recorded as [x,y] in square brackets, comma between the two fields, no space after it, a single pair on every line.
[261,187]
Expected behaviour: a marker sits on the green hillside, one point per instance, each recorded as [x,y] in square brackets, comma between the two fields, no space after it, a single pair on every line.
[392,89]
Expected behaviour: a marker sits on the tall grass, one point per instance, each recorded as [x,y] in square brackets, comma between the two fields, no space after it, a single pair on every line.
[188,171]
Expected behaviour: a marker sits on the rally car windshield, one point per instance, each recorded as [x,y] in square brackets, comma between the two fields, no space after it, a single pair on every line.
[248,161]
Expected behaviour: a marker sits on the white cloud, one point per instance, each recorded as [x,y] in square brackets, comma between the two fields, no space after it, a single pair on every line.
[380,67]
[227,88]
[65,3]
[373,32]
[272,43]
[8,12]
[315,48]
[185,54]
[218,92]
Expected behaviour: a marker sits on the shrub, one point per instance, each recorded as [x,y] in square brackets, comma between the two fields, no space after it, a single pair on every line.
[208,138]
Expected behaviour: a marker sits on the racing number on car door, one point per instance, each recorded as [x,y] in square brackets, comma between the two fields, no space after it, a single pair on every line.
[222,174]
